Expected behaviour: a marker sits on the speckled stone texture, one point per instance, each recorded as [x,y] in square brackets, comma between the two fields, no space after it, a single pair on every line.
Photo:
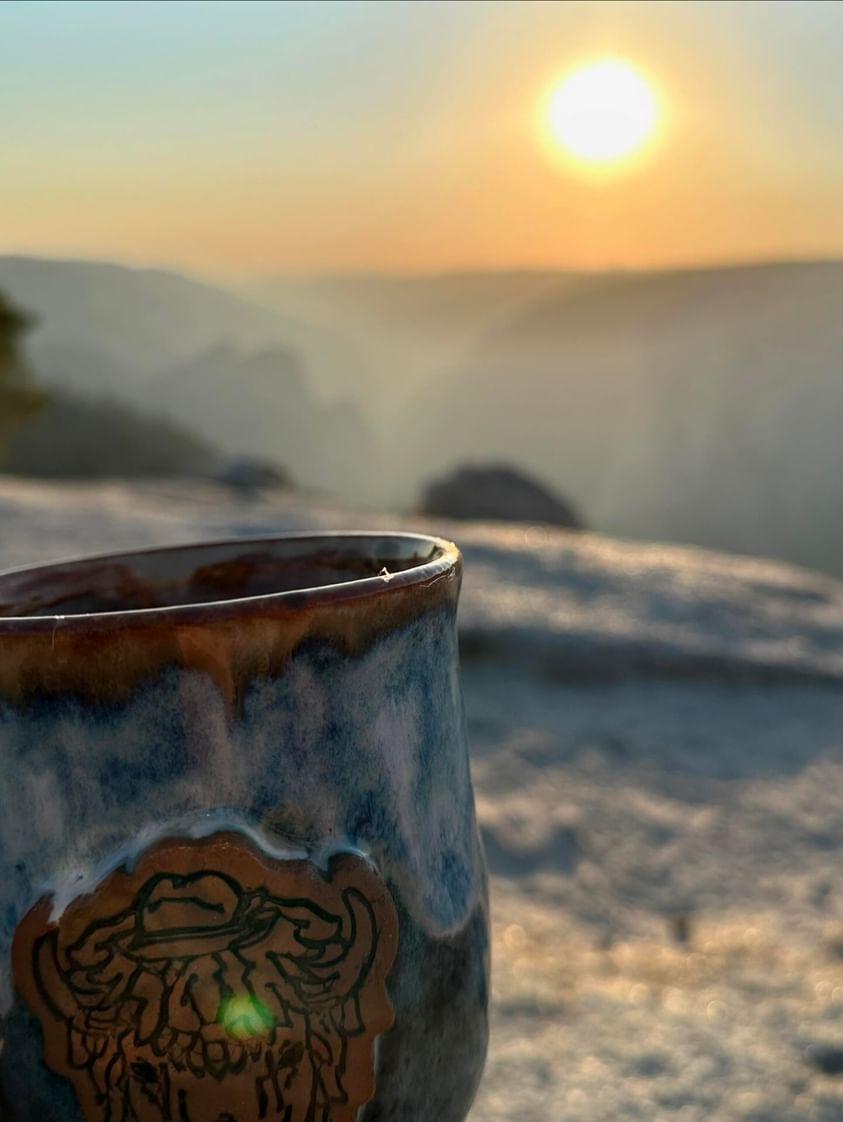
[313,724]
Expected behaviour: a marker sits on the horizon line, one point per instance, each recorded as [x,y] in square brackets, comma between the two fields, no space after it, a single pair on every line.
[455,272]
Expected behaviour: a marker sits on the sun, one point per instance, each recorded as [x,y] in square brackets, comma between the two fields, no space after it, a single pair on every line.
[603,113]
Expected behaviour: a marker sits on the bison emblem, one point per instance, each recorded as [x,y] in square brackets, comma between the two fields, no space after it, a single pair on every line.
[213,983]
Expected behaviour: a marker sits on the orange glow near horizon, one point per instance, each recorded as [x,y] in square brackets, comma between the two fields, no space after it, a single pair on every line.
[310,138]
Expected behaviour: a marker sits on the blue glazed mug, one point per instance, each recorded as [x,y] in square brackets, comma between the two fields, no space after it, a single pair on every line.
[240,876]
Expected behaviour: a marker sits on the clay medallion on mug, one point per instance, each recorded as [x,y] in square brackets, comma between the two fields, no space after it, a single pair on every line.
[212,983]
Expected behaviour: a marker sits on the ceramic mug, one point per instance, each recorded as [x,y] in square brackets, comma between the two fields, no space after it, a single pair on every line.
[240,876]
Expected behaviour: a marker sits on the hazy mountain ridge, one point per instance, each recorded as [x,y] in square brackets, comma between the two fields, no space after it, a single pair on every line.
[697,405]
[261,403]
[408,329]
[422,304]
[238,374]
[152,317]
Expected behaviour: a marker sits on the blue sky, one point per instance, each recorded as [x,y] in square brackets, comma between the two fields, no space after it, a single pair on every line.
[263,136]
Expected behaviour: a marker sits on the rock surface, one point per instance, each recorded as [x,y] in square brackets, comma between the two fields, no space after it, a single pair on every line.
[497,493]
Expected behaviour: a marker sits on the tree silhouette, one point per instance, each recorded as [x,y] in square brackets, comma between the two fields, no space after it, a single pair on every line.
[19,399]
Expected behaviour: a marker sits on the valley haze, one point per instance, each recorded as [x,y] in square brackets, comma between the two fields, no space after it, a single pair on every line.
[689,405]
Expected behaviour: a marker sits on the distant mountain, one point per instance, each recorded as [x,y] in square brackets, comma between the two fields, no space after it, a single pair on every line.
[146,317]
[261,404]
[701,406]
[144,320]
[436,305]
[238,373]
[407,329]
[245,401]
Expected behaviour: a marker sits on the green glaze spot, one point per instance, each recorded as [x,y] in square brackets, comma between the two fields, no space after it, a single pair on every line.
[244,1017]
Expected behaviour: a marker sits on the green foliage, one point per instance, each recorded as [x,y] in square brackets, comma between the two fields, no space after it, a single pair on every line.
[19,400]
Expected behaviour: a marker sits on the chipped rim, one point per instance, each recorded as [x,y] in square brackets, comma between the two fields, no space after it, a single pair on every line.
[443,561]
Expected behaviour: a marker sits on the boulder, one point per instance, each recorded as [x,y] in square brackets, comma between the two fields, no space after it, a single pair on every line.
[253,474]
[497,492]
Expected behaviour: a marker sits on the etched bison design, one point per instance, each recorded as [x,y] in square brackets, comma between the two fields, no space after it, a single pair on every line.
[215,984]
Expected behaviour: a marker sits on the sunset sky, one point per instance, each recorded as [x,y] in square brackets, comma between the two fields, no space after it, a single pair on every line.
[258,137]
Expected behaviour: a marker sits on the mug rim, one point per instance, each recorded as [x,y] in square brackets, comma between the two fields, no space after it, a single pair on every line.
[444,560]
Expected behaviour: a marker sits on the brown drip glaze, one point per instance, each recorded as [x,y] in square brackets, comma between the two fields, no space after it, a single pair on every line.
[104,656]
